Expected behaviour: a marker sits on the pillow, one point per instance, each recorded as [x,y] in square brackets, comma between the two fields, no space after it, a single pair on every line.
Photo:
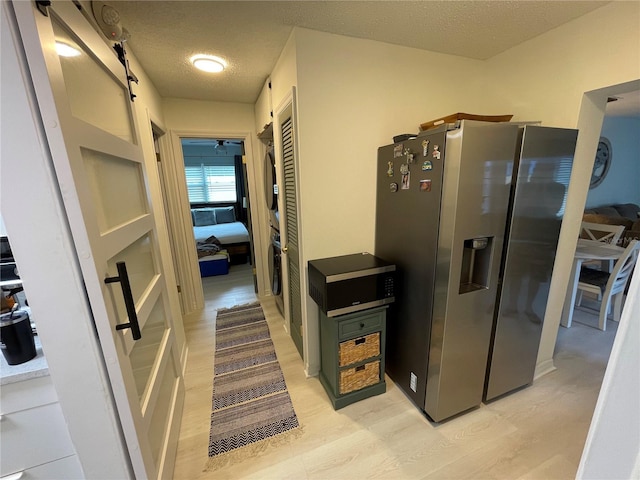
[225,215]
[628,210]
[609,211]
[204,216]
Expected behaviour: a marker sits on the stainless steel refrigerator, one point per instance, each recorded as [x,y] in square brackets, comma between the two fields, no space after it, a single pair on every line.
[442,210]
[541,175]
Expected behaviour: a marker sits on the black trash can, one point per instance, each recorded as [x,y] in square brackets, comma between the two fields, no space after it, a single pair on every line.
[16,337]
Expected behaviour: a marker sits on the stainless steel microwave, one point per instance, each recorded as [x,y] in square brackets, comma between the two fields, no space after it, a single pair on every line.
[349,283]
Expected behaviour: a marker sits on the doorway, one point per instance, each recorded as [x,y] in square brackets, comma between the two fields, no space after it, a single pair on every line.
[220,207]
[583,345]
[233,151]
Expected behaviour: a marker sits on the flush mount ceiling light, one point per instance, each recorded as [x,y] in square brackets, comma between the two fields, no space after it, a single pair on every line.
[208,63]
[66,50]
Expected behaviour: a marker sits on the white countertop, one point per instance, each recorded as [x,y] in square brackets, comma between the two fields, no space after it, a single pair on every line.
[36,367]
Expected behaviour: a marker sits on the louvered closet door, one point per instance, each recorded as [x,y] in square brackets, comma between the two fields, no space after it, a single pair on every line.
[291,224]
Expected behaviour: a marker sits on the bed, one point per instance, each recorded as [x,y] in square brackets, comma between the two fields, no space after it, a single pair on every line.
[216,228]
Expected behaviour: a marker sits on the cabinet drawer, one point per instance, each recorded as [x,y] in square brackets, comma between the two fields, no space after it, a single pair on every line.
[356,378]
[33,437]
[27,394]
[358,349]
[64,469]
[360,326]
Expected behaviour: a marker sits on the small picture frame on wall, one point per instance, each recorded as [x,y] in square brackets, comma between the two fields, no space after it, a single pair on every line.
[602,162]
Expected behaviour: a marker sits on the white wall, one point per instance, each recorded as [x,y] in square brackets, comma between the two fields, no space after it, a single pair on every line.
[263,109]
[207,155]
[195,118]
[149,112]
[621,183]
[285,72]
[204,116]
[145,90]
[606,454]
[545,79]
[353,96]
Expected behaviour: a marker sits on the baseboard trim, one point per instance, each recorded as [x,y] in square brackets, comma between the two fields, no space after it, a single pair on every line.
[543,368]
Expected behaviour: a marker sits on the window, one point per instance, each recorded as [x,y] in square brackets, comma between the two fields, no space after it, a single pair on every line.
[211,183]
[563,177]
[557,170]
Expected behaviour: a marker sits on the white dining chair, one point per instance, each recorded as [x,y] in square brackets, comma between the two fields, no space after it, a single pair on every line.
[601,232]
[609,286]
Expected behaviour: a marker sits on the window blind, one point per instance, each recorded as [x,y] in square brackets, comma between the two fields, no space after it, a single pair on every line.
[211,183]
[563,176]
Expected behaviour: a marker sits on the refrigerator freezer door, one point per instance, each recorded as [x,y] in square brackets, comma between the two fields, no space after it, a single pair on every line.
[476,185]
[542,180]
[406,235]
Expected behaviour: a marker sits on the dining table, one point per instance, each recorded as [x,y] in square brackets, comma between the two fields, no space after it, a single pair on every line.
[586,250]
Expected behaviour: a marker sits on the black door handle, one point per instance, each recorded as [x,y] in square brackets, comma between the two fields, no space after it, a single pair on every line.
[123,278]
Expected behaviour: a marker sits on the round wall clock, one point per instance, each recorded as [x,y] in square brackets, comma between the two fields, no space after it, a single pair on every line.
[602,162]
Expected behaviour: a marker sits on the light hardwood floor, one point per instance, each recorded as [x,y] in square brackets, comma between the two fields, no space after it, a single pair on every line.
[535,433]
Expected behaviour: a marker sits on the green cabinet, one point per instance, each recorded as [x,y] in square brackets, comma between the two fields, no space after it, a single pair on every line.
[352,355]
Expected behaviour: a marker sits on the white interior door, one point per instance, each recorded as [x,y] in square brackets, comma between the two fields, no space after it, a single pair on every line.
[94,142]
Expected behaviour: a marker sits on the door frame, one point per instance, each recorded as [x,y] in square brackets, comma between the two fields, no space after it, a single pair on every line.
[150,126]
[179,214]
[589,125]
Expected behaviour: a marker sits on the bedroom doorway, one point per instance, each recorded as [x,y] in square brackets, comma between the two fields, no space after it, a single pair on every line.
[219,203]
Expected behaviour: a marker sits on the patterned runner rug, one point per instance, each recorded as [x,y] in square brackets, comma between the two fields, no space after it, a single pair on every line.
[250,399]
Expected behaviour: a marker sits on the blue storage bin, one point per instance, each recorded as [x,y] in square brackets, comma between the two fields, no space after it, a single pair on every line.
[217,264]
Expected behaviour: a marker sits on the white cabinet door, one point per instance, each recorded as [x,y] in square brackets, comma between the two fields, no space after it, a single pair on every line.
[90,125]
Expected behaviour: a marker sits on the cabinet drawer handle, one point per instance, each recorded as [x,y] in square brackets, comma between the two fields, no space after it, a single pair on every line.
[360,368]
[360,341]
[362,325]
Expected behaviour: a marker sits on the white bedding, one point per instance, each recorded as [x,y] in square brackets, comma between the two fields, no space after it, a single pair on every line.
[227,233]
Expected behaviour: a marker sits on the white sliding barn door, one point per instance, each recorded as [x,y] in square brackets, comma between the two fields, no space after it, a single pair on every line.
[94,142]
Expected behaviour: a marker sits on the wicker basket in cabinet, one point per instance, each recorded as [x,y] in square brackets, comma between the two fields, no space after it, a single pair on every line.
[352,355]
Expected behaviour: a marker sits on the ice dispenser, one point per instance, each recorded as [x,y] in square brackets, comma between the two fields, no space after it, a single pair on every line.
[476,264]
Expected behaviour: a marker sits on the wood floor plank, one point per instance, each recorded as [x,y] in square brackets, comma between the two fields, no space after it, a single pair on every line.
[535,433]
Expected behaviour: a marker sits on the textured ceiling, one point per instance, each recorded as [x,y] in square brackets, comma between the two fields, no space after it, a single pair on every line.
[251,34]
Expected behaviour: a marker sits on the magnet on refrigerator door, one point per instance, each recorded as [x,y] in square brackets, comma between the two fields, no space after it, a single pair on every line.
[409,155]
[425,148]
[405,180]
